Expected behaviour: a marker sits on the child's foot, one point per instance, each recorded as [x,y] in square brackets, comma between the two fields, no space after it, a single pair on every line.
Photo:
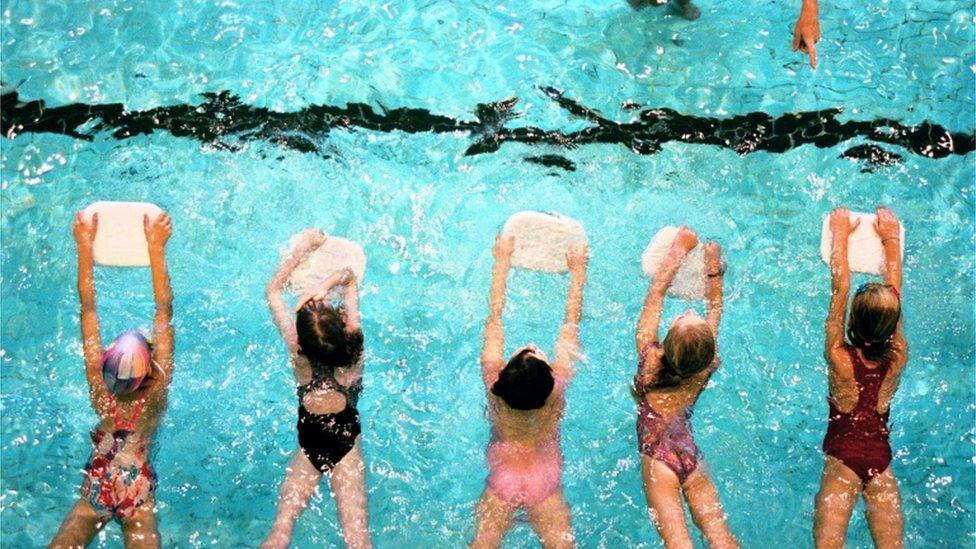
[688,10]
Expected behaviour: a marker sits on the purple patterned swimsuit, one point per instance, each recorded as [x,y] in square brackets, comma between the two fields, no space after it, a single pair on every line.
[668,440]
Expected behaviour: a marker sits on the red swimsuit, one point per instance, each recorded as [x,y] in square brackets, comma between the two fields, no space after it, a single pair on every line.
[859,438]
[118,478]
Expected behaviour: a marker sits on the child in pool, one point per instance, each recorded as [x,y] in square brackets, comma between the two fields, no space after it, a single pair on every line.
[128,387]
[669,378]
[326,347]
[863,374]
[526,397]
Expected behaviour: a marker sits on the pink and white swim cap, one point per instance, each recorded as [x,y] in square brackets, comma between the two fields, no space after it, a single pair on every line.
[126,363]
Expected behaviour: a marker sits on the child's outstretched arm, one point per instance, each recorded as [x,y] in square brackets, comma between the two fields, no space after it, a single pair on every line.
[351,297]
[91,338]
[840,285]
[353,321]
[493,349]
[650,318]
[284,319]
[321,291]
[567,345]
[889,230]
[158,232]
[714,282]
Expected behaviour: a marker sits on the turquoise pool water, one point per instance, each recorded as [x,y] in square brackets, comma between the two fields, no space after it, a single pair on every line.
[427,213]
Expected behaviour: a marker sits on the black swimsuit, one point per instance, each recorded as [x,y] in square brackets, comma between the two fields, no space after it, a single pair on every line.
[327,438]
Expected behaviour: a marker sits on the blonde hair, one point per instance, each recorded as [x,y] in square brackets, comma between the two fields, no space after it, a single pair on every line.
[689,348]
[875,312]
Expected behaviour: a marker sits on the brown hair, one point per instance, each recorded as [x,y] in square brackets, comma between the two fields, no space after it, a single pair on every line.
[322,336]
[688,349]
[875,312]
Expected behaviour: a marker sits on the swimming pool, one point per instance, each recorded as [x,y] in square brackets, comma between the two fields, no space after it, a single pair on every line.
[240,178]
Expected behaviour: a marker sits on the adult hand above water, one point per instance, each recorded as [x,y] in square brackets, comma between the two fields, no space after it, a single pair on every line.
[806,32]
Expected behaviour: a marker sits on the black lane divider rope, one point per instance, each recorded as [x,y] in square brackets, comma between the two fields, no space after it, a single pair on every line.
[223,122]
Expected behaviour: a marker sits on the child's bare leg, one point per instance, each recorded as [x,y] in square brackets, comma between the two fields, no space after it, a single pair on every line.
[663,493]
[79,527]
[884,510]
[688,10]
[706,509]
[839,487]
[551,522]
[140,530]
[348,481]
[494,518]
[300,482]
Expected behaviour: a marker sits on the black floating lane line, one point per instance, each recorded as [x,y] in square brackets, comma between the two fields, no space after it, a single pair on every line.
[552,161]
[223,121]
[874,156]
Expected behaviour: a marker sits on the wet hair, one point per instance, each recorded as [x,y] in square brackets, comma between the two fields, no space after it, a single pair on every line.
[322,336]
[875,312]
[525,383]
[688,349]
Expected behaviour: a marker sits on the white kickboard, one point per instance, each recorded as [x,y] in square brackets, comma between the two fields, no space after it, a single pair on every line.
[689,281]
[120,240]
[542,240]
[864,251]
[333,255]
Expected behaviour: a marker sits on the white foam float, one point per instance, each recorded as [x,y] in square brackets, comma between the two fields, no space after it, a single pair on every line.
[335,254]
[120,240]
[689,281]
[542,240]
[865,254]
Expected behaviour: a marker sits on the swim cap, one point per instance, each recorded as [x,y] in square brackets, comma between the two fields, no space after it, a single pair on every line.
[126,363]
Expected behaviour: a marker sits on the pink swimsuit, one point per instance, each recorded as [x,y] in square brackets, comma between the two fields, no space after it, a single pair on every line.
[525,476]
